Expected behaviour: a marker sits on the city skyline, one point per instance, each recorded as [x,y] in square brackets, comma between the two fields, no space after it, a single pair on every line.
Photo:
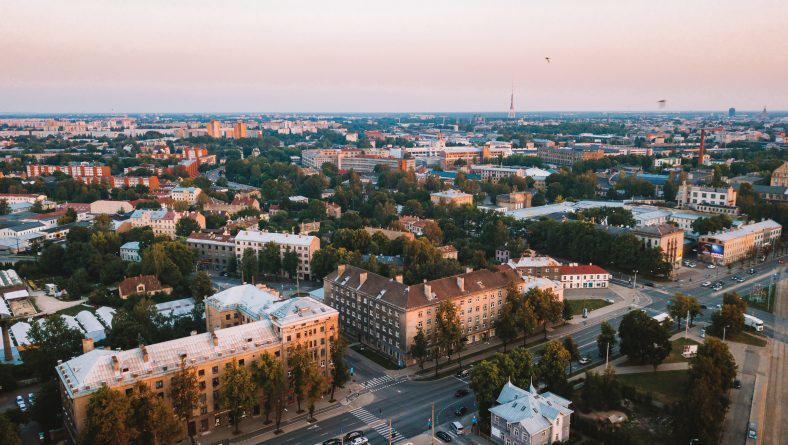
[351,57]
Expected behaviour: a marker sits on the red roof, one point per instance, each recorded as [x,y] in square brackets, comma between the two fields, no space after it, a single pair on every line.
[584,269]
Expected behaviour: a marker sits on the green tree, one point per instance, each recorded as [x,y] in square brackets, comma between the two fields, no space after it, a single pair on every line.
[316,388]
[486,383]
[601,392]
[270,259]
[552,366]
[522,370]
[47,409]
[644,339]
[52,340]
[606,338]
[324,261]
[186,226]
[729,320]
[547,307]
[108,419]
[418,349]
[153,417]
[680,305]
[201,286]
[506,328]
[9,431]
[573,350]
[269,373]
[249,265]
[239,392]
[69,217]
[340,374]
[448,328]
[5,209]
[290,263]
[185,394]
[300,361]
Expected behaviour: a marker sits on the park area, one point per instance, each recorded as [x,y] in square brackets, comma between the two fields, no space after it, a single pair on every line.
[590,303]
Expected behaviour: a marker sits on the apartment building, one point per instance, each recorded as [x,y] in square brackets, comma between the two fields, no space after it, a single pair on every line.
[303,245]
[386,314]
[130,251]
[163,221]
[665,236]
[275,327]
[584,276]
[534,265]
[740,243]
[514,200]
[525,417]
[568,156]
[19,198]
[449,197]
[189,195]
[214,251]
[236,206]
[75,169]
[695,197]
[317,157]
[414,224]
[494,173]
[780,176]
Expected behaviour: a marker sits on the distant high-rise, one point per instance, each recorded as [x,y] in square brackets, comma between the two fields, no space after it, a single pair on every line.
[239,131]
[764,113]
[214,129]
[731,112]
[511,105]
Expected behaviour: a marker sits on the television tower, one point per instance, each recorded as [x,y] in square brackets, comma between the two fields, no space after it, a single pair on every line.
[511,114]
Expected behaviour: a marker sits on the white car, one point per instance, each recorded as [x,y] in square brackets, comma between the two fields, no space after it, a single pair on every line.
[711,266]
[706,284]
[359,441]
[584,360]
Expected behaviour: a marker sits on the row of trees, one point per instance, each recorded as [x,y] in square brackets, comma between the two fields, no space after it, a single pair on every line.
[268,261]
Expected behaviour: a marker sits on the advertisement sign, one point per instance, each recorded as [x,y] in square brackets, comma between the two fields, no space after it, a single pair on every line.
[712,249]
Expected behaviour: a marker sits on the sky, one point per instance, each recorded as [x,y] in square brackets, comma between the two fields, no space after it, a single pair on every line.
[392,56]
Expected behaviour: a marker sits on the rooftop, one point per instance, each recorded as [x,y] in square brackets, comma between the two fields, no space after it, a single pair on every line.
[278,238]
[745,230]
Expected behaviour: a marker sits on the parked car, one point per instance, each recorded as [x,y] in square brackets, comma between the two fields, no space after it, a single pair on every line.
[354,435]
[609,300]
[781,261]
[711,266]
[359,441]
[693,264]
[333,441]
[461,392]
[584,360]
[31,397]
[737,384]
[462,373]
[442,435]
[648,283]
[459,412]
[706,284]
[702,333]
[751,271]
[752,431]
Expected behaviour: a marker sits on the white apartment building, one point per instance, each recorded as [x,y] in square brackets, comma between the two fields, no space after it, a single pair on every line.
[693,196]
[303,245]
[189,195]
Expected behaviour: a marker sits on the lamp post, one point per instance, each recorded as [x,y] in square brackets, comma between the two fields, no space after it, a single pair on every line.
[635,281]
[724,328]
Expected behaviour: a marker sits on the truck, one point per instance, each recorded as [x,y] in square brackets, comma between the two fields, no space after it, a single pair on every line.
[51,289]
[753,322]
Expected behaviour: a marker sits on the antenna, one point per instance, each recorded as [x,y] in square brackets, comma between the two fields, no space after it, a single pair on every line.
[511,114]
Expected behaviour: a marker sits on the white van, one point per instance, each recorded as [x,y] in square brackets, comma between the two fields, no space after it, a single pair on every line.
[457,428]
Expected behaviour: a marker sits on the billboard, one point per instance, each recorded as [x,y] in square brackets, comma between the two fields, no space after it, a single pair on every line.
[712,249]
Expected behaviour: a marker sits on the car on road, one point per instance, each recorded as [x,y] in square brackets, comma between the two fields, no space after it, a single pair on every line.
[584,360]
[706,284]
[443,436]
[333,441]
[609,300]
[648,283]
[750,271]
[752,431]
[42,437]
[225,274]
[740,279]
[702,333]
[737,384]
[462,373]
[711,266]
[359,441]
[461,392]
[781,261]
[692,264]
[459,412]
[354,435]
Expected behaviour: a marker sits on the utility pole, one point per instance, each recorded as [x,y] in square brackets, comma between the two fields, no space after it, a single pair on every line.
[432,436]
[635,281]
[391,431]
[607,355]
[686,325]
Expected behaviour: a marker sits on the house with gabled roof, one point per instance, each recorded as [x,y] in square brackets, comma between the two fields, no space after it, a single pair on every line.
[525,417]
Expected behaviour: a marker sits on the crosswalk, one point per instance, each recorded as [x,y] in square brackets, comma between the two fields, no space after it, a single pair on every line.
[377,424]
[379,383]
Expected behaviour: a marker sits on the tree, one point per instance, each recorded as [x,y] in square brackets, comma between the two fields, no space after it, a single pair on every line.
[270,259]
[505,328]
[186,226]
[339,373]
[153,417]
[419,349]
[185,394]
[5,209]
[239,392]
[324,261]
[47,409]
[316,387]
[522,370]
[547,307]
[300,361]
[552,366]
[69,217]
[290,263]
[701,413]
[448,328]
[486,383]
[433,232]
[567,312]
[729,320]
[9,431]
[52,340]
[716,223]
[573,349]
[249,265]
[269,373]
[680,305]
[201,286]
[606,338]
[601,392]
[644,339]
[108,419]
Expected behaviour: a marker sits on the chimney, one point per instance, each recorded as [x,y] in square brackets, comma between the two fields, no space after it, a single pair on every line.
[145,356]
[362,277]
[115,363]
[87,345]
[428,291]
[468,269]
[215,339]
[341,269]
[461,283]
[398,278]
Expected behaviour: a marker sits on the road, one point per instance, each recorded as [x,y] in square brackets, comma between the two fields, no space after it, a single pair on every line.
[775,421]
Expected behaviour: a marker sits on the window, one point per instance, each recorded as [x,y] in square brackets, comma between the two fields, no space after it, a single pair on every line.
[201,372]
[159,384]
[215,370]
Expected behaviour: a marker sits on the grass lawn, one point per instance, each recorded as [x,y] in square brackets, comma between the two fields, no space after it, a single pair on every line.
[747,338]
[761,301]
[590,303]
[374,356]
[74,310]
[666,386]
[677,348]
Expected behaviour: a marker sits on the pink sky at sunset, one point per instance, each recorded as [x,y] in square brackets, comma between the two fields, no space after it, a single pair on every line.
[370,56]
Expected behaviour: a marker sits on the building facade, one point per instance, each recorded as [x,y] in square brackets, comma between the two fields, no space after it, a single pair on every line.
[691,196]
[525,417]
[589,276]
[131,252]
[215,251]
[665,236]
[738,244]
[163,221]
[780,176]
[304,246]
[568,156]
[449,197]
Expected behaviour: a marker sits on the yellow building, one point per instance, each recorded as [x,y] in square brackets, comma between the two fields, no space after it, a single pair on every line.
[244,323]
[449,197]
[740,243]
[239,130]
[780,176]
[214,128]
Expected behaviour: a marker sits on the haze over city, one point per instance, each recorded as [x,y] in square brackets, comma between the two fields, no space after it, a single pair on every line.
[359,56]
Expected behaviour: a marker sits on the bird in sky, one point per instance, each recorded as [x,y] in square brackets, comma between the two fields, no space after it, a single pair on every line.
[548,59]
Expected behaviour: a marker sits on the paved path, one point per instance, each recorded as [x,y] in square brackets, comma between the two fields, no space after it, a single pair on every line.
[775,420]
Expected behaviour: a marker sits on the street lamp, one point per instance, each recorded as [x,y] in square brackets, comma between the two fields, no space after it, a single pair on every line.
[635,281]
[724,328]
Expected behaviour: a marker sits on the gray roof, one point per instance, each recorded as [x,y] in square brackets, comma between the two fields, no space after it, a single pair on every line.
[534,412]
